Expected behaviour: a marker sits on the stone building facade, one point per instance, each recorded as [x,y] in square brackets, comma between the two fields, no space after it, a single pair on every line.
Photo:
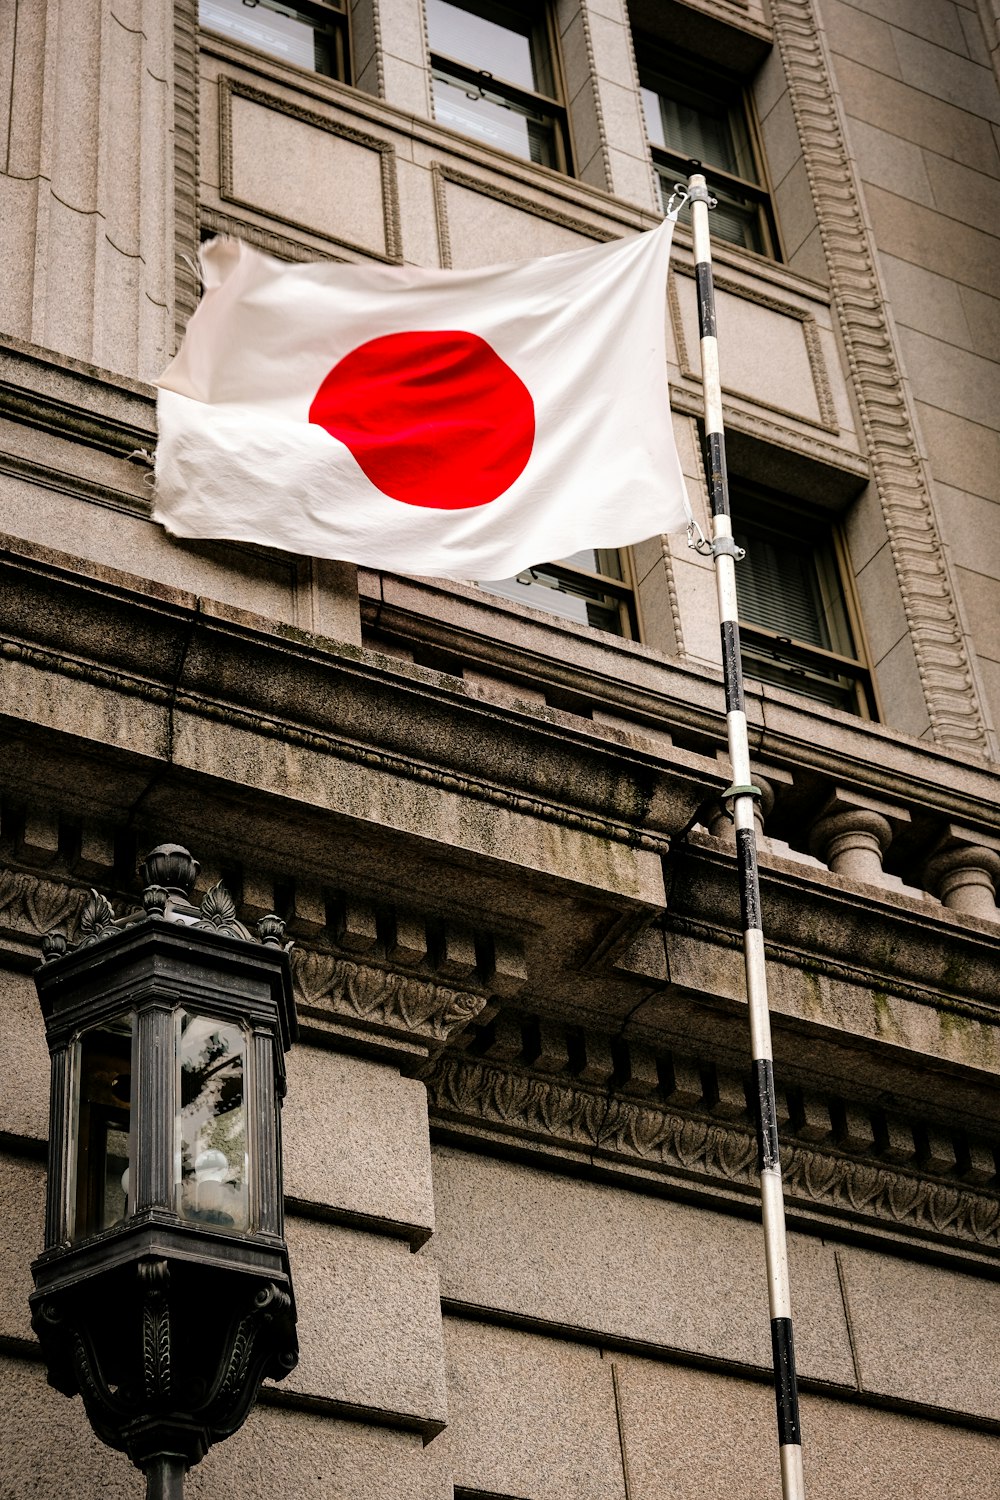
[520,1166]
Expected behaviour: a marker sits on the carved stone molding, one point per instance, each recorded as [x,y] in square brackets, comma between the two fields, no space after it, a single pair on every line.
[33,906]
[327,986]
[900,478]
[592,74]
[443,174]
[185,131]
[755,425]
[280,245]
[697,1154]
[233,88]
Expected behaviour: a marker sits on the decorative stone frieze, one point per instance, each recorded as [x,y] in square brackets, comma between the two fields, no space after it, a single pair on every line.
[843,1180]
[327,986]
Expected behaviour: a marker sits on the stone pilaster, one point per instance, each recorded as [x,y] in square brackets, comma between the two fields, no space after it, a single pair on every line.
[86,197]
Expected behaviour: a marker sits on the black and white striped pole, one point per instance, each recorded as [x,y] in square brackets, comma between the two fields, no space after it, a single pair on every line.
[740,799]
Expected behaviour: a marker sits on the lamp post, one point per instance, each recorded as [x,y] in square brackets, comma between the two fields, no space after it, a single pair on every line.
[163,1294]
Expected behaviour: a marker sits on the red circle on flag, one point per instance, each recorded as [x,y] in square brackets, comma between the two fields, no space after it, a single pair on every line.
[435,419]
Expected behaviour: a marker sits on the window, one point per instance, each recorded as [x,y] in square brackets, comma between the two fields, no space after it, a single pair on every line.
[795,603]
[312,34]
[694,112]
[590,587]
[495,77]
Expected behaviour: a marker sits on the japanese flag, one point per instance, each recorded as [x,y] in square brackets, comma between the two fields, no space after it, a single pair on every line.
[466,424]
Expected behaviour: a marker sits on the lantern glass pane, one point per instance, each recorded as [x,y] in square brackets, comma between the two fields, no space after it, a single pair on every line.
[212,1170]
[99,1173]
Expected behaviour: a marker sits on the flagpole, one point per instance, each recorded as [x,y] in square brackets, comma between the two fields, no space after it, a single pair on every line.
[740,798]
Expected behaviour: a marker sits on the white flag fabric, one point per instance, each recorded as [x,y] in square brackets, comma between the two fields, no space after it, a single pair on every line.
[463,424]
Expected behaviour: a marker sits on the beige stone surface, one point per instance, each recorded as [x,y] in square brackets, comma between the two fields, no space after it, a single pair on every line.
[917,233]
[307,175]
[890,162]
[940,374]
[861,36]
[915,116]
[24,1097]
[782,146]
[248,578]
[981,595]
[48,1448]
[693,1435]
[972,527]
[983,313]
[926,301]
[885,620]
[923,1333]
[762,352]
[483,229]
[22,1237]
[965,454]
[588,1256]
[370,1320]
[530,1417]
[943,74]
[355,1139]
[797,219]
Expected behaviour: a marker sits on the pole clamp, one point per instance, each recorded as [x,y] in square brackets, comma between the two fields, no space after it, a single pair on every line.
[702,195]
[724,546]
[732,792]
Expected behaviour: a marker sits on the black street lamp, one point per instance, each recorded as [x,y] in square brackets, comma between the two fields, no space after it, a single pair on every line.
[163,1295]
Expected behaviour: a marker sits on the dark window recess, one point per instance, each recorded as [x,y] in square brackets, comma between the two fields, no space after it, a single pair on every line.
[695,112]
[495,78]
[795,611]
[589,587]
[311,35]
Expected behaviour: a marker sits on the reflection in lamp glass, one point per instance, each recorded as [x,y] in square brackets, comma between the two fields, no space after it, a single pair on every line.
[211,1127]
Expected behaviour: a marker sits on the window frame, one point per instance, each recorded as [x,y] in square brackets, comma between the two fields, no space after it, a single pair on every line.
[622,592]
[736,95]
[792,657]
[505,92]
[337,12]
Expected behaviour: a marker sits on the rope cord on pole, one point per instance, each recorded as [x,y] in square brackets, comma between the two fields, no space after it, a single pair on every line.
[740,797]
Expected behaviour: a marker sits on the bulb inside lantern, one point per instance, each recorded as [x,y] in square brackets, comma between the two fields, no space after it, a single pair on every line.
[211,1166]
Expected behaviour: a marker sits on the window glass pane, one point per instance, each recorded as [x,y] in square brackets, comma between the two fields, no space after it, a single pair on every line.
[703,133]
[561,594]
[211,1173]
[100,1180]
[494,121]
[778,587]
[502,47]
[770,663]
[603,560]
[282,31]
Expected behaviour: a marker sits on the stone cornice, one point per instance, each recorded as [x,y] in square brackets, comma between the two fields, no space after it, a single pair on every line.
[204,660]
[696,1156]
[74,399]
[816,922]
[458,623]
